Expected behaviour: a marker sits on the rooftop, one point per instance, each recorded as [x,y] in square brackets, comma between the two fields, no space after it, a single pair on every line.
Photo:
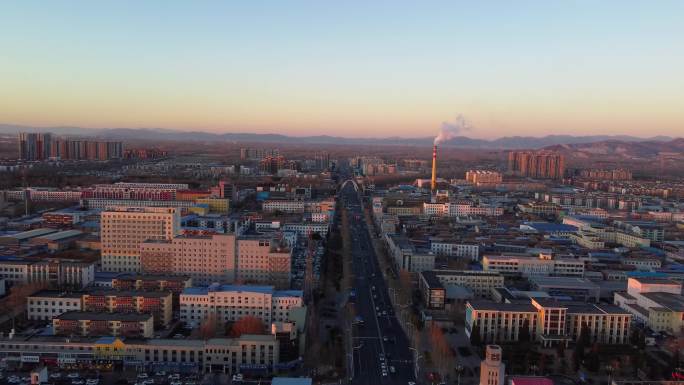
[672,302]
[93,316]
[204,290]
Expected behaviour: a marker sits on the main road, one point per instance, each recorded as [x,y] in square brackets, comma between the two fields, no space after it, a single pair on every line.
[380,349]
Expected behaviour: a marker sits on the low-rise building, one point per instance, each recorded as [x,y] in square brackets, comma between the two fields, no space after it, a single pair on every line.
[529,266]
[245,354]
[406,256]
[578,289]
[548,321]
[47,304]
[655,302]
[103,324]
[232,302]
[442,286]
[469,251]
[63,273]
[157,303]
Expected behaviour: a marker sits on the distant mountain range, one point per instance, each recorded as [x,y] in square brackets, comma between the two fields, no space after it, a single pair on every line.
[621,149]
[161,134]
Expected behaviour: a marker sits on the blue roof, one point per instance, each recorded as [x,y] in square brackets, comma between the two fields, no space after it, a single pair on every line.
[106,275]
[291,381]
[106,340]
[645,274]
[288,293]
[550,227]
[201,290]
[655,250]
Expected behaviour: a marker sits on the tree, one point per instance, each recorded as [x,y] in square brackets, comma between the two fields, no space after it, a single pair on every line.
[524,334]
[209,326]
[442,355]
[475,338]
[14,304]
[247,325]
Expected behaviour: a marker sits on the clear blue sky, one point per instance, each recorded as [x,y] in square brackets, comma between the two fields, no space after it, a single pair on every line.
[346,68]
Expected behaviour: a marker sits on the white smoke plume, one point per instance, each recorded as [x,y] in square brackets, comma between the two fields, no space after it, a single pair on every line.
[450,130]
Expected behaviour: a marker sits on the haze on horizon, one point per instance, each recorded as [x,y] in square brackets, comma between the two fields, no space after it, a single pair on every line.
[349,69]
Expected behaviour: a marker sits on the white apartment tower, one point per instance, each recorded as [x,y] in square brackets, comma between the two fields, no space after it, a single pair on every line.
[124,229]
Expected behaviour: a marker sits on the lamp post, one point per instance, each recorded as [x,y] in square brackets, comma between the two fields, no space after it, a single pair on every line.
[609,370]
[415,362]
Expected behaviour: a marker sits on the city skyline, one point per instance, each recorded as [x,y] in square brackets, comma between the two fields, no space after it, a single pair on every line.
[351,70]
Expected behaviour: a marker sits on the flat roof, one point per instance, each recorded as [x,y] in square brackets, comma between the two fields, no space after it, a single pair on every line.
[673,302]
[204,290]
[96,316]
[291,381]
[653,280]
[128,293]
[152,277]
[55,294]
[484,305]
[61,235]
[566,282]
[30,234]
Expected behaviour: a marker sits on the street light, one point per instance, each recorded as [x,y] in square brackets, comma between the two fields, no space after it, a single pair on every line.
[609,369]
[415,361]
[459,370]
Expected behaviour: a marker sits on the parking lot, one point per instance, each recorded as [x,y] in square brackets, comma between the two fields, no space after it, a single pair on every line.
[117,377]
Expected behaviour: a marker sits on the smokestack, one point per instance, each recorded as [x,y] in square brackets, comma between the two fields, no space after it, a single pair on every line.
[433,181]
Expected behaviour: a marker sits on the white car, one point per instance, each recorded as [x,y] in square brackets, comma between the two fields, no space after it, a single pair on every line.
[174,377]
[56,375]
[384,373]
[92,381]
[77,381]
[72,375]
[142,375]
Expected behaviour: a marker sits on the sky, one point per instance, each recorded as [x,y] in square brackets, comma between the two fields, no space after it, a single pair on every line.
[346,68]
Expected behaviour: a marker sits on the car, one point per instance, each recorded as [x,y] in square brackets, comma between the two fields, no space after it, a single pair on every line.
[382,357]
[92,381]
[385,339]
[56,375]
[142,375]
[13,379]
[73,375]
[384,373]
[237,377]
[77,381]
[384,312]
[411,383]
[176,383]
[392,370]
[160,373]
[174,376]
[377,308]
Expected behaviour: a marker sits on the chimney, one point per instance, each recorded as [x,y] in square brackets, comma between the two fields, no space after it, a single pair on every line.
[433,181]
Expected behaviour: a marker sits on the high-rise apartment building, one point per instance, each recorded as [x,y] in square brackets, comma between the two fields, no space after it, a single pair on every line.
[263,261]
[483,177]
[123,229]
[42,146]
[536,164]
[206,259]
